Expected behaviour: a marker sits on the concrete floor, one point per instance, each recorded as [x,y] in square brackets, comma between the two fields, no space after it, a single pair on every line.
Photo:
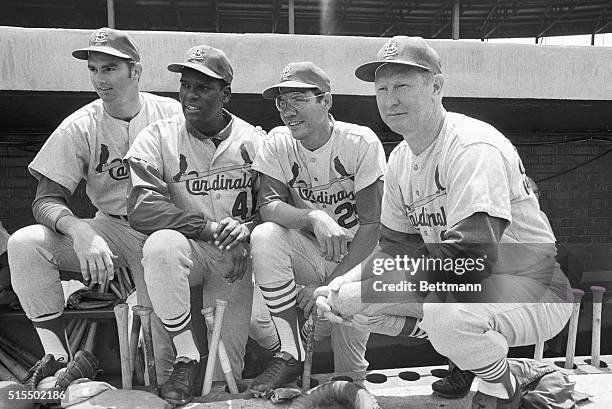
[395,392]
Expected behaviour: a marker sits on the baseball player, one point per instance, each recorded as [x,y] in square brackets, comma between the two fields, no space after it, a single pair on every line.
[88,145]
[193,192]
[455,192]
[321,186]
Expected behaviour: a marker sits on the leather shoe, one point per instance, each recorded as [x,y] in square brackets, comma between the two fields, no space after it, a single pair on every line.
[282,369]
[178,390]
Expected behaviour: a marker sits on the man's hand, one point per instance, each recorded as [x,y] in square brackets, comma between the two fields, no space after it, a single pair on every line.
[332,239]
[241,256]
[229,232]
[95,257]
[323,299]
[324,303]
[336,283]
[306,300]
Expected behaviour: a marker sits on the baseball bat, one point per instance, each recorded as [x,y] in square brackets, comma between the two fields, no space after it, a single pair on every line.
[78,333]
[27,357]
[214,346]
[116,291]
[70,327]
[598,292]
[91,337]
[130,279]
[573,329]
[139,366]
[145,321]
[6,375]
[120,277]
[209,316]
[121,314]
[126,279]
[73,330]
[121,284]
[88,341]
[538,354]
[123,280]
[310,323]
[83,342]
[134,336]
[12,365]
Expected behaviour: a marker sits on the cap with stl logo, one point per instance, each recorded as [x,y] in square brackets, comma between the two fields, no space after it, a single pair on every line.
[300,75]
[207,60]
[411,51]
[109,41]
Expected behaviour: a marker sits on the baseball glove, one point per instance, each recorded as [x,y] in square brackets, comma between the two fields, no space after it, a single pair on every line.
[86,299]
[84,365]
[346,393]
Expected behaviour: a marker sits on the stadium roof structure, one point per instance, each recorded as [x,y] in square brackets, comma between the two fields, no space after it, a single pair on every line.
[471,19]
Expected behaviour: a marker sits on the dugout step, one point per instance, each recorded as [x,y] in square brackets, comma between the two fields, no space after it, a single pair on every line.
[412,386]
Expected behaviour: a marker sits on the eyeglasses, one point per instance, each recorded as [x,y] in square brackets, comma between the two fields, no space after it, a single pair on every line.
[296,99]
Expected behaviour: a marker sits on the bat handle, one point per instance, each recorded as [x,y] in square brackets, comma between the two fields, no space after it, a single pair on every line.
[598,292]
[573,329]
[209,315]
[310,325]
[134,336]
[214,346]
[121,314]
[145,321]
[538,354]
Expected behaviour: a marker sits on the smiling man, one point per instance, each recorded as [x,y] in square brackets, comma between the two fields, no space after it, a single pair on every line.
[456,194]
[193,192]
[88,145]
[321,189]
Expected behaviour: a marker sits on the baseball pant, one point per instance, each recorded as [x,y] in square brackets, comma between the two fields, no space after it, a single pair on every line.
[173,263]
[37,253]
[262,329]
[474,335]
[282,255]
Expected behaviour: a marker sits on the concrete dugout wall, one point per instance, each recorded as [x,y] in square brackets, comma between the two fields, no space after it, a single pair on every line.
[539,96]
[39,60]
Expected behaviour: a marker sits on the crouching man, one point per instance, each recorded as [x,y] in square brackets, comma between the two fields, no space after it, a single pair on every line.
[457,202]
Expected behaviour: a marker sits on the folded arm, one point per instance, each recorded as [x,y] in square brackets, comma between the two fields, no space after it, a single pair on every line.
[150,207]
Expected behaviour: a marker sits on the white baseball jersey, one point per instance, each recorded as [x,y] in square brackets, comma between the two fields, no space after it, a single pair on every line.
[470,168]
[215,181]
[90,144]
[328,177]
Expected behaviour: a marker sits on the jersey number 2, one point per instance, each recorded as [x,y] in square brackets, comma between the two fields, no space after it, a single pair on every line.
[240,206]
[346,210]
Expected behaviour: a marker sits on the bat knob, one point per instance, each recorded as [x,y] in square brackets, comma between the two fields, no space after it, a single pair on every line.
[208,310]
[577,294]
[120,307]
[598,293]
[142,310]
